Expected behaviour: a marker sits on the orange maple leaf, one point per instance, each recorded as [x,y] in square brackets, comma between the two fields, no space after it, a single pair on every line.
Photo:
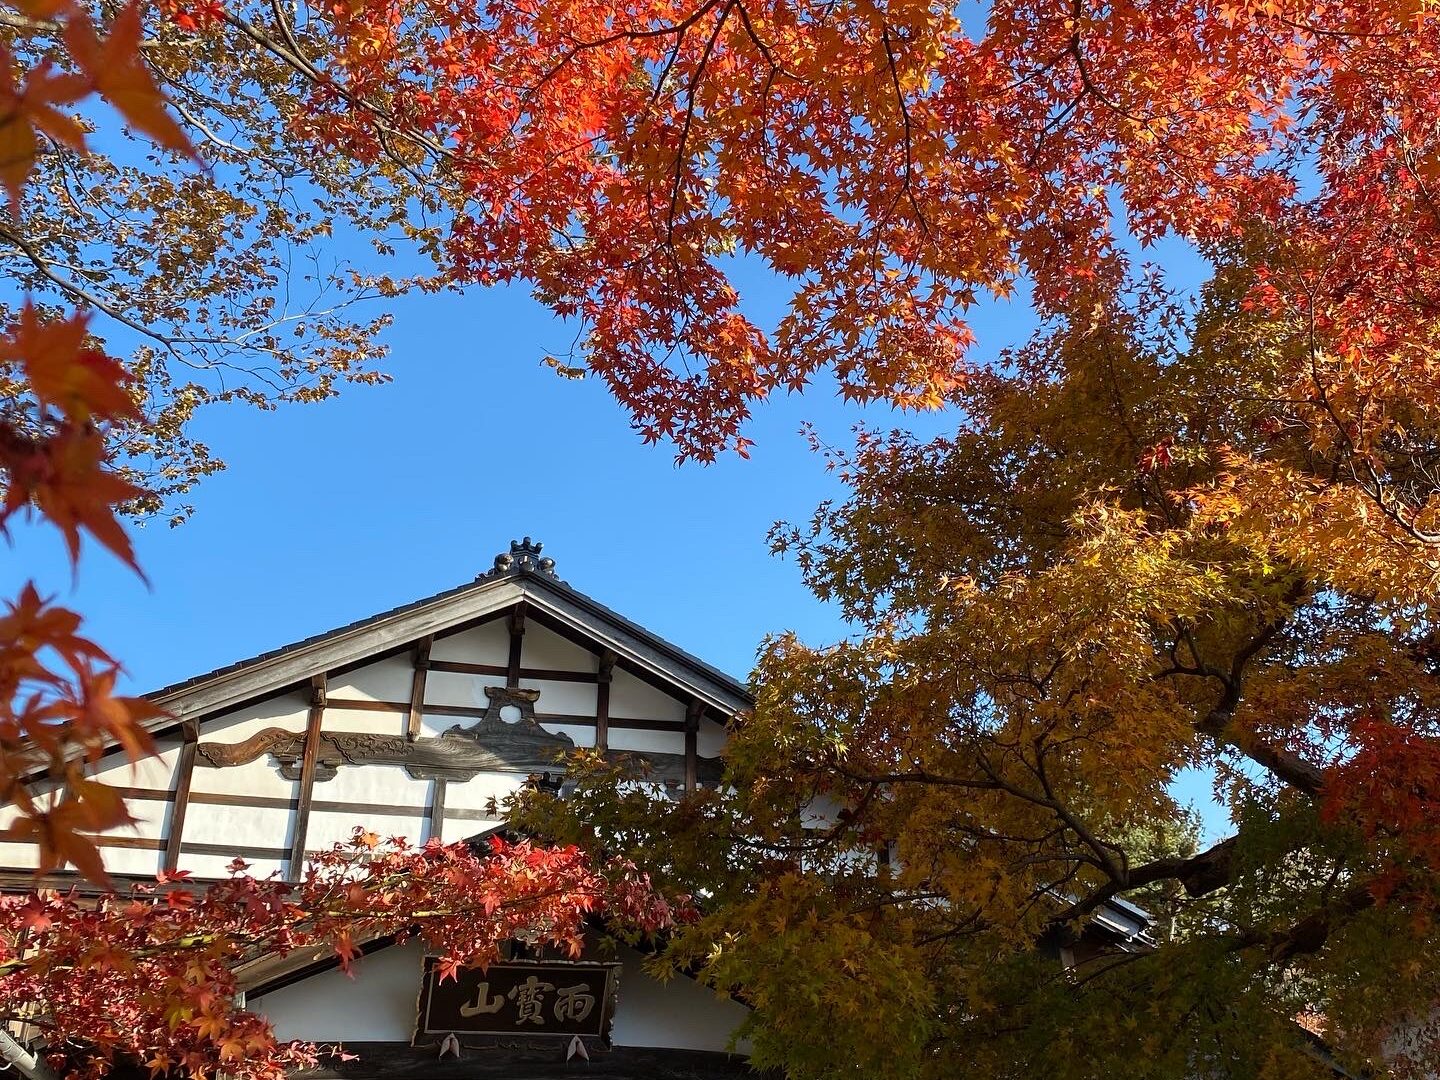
[122,79]
[81,382]
[59,836]
[67,479]
[23,109]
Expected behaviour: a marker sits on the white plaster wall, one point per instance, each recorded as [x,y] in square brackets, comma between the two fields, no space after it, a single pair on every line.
[237,826]
[629,696]
[472,794]
[378,1004]
[288,711]
[149,815]
[660,742]
[487,644]
[371,784]
[710,739]
[679,1014]
[579,734]
[258,777]
[150,818]
[329,827]
[385,680]
[433,725]
[574,698]
[822,813]
[544,648]
[130,861]
[363,720]
[456,688]
[20,856]
[157,772]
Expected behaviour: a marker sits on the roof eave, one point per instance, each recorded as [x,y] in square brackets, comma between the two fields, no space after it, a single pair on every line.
[233,686]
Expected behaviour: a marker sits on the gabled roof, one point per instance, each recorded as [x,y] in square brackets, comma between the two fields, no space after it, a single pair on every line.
[518,577]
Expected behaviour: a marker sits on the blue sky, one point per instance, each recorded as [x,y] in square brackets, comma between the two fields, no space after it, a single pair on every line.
[331,512]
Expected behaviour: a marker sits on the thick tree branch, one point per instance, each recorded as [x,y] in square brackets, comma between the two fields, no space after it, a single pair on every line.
[1284,764]
[1309,935]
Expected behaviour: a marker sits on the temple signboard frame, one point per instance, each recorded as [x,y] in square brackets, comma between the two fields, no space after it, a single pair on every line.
[541,1000]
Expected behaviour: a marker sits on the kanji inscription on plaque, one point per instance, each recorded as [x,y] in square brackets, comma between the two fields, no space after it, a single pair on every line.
[519,998]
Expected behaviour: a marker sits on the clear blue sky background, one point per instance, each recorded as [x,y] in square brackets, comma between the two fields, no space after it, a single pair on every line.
[332,512]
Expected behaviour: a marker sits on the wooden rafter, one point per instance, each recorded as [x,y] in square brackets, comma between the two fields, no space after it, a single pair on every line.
[306,795]
[180,803]
[603,677]
[417,686]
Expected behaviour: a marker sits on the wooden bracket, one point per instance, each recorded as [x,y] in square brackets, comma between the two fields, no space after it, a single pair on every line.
[603,678]
[692,742]
[417,686]
[517,638]
[517,619]
[307,777]
[185,768]
[437,808]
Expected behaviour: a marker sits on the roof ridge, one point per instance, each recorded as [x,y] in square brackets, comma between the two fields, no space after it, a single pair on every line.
[522,565]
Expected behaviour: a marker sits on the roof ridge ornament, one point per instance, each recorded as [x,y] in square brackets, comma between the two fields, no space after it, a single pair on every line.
[523,555]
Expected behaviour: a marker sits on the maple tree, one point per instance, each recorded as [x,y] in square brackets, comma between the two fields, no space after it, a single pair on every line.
[1169,533]
[1173,532]
[153,978]
[1167,539]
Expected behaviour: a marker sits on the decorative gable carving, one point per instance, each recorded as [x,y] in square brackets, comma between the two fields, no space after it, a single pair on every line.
[492,744]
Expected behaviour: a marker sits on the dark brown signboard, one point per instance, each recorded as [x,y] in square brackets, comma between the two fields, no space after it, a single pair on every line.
[522,997]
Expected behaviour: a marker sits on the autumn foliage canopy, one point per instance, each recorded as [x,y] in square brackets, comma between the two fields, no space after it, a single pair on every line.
[1184,527]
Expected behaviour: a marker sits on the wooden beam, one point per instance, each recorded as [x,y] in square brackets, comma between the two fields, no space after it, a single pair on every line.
[437,809]
[275,802]
[402,1061]
[361,705]
[130,843]
[637,723]
[604,677]
[692,742]
[235,851]
[307,777]
[460,813]
[417,687]
[517,639]
[461,667]
[185,768]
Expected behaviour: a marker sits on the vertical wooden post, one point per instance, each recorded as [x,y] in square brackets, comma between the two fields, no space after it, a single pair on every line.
[437,809]
[307,777]
[604,677]
[417,686]
[184,768]
[692,743]
[517,638]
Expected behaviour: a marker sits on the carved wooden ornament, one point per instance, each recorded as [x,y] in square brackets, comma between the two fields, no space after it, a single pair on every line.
[491,744]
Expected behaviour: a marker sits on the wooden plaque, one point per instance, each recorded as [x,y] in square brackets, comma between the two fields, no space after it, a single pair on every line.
[527,998]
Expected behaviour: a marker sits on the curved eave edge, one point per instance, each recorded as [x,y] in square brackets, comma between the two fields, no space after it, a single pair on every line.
[273,672]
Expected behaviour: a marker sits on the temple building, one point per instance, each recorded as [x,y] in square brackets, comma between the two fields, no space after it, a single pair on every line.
[416,723]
